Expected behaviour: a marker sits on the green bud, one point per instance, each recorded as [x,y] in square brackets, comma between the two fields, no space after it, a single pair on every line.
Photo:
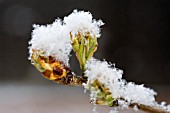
[84,48]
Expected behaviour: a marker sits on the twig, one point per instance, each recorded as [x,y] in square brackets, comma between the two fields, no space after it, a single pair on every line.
[149,109]
[70,80]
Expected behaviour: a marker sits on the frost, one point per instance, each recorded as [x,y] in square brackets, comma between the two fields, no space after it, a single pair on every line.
[83,22]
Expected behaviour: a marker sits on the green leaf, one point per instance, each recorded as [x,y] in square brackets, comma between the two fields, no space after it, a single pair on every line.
[75,45]
[38,66]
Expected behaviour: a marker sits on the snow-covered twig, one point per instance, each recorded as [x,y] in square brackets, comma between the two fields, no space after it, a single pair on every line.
[50,49]
[149,109]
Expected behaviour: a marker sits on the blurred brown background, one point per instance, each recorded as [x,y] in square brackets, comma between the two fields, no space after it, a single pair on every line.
[135,37]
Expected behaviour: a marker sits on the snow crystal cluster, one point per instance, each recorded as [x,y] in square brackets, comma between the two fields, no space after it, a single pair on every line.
[111,78]
[54,39]
[83,22]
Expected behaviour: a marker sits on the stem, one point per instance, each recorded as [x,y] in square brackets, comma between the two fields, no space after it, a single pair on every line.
[70,80]
[149,109]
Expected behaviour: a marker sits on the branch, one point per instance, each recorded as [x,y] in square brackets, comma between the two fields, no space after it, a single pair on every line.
[149,109]
[63,75]
[68,80]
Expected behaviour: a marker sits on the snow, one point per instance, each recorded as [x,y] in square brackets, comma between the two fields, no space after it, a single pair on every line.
[52,40]
[135,108]
[113,111]
[82,22]
[111,78]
